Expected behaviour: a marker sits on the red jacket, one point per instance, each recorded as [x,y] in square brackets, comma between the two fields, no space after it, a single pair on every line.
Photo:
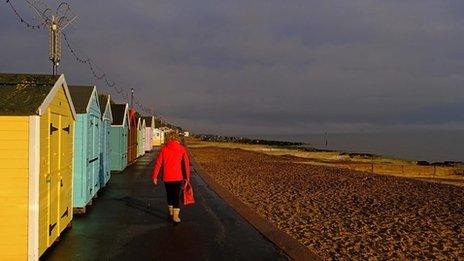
[174,159]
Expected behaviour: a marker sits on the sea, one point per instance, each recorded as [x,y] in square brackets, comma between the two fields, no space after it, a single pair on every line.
[431,146]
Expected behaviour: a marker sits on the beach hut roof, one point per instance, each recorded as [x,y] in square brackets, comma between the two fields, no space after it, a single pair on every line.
[140,121]
[148,120]
[103,100]
[119,112]
[30,94]
[81,96]
[133,118]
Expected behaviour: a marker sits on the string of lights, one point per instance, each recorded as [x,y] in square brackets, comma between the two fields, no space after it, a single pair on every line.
[22,19]
[100,76]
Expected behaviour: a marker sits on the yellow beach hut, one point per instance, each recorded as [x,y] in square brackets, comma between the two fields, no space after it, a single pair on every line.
[158,137]
[158,134]
[36,159]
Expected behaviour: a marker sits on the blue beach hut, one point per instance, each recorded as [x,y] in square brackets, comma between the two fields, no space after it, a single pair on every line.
[118,136]
[105,149]
[86,145]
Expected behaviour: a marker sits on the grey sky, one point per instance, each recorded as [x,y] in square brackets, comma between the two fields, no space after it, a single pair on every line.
[267,67]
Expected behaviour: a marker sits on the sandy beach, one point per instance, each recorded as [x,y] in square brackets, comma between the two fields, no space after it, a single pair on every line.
[341,213]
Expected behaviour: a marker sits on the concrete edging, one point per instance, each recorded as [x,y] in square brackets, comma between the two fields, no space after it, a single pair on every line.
[290,246]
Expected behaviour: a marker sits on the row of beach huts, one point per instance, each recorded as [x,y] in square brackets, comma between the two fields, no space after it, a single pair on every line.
[59,145]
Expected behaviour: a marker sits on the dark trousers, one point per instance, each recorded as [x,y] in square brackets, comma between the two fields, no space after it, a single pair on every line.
[173,192]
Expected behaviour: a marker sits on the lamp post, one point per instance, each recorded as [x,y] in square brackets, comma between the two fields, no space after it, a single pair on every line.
[55,45]
[132,98]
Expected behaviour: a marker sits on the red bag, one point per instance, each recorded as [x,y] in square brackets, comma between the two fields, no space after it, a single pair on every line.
[188,193]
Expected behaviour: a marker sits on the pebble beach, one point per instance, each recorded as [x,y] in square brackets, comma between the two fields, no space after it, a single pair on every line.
[343,214]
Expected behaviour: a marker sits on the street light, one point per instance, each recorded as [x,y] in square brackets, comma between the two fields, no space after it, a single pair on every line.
[132,98]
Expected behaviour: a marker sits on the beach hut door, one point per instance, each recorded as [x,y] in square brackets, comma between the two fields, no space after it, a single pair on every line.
[107,149]
[90,175]
[95,151]
[124,145]
[66,170]
[54,178]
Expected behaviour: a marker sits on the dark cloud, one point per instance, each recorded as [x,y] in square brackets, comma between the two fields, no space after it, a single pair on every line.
[240,67]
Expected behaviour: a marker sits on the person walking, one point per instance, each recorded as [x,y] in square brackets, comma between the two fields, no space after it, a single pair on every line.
[174,159]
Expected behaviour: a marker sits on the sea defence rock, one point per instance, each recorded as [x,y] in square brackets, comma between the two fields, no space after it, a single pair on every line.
[218,138]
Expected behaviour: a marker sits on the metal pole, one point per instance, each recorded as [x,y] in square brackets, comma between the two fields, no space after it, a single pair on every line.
[132,98]
[55,49]
[326,141]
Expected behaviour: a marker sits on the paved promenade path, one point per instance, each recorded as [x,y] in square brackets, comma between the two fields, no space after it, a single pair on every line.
[128,221]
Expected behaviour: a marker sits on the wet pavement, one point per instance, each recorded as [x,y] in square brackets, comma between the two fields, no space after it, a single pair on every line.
[128,221]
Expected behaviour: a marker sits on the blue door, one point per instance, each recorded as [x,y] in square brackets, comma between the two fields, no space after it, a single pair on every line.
[89,146]
[95,151]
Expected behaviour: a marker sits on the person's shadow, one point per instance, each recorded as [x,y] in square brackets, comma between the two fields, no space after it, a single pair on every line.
[142,206]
